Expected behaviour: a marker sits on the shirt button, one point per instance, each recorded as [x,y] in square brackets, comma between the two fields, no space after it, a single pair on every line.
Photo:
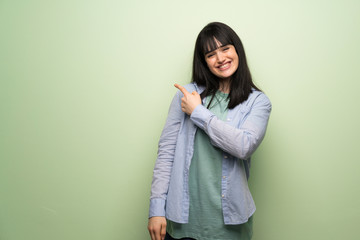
[224,177]
[223,196]
[228,119]
[225,156]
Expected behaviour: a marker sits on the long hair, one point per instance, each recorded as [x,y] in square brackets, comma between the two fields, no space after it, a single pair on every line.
[241,83]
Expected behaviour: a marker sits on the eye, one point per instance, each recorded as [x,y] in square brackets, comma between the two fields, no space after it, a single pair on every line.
[210,55]
[226,48]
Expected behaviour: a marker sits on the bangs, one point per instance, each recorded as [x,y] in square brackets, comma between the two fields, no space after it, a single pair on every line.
[211,41]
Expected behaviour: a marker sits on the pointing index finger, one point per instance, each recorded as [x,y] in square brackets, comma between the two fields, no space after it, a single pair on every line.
[181,88]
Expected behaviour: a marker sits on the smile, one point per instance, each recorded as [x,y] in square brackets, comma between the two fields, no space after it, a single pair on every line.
[224,66]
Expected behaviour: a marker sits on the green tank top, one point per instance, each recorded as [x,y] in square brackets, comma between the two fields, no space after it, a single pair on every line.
[206,220]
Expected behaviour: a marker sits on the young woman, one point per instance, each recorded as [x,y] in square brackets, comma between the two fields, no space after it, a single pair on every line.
[199,188]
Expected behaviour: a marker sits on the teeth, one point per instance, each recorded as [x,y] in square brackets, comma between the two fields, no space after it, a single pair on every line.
[224,66]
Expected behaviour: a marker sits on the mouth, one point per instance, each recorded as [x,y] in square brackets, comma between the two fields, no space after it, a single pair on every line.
[224,66]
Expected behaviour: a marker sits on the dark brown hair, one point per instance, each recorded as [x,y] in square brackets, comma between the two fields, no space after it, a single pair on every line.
[241,84]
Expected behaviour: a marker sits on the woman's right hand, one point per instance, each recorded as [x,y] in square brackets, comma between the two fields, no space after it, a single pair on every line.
[157,228]
[190,100]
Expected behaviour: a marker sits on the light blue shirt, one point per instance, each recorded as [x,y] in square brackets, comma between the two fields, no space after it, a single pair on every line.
[238,137]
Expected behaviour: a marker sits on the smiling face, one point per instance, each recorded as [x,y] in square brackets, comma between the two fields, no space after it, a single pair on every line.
[223,61]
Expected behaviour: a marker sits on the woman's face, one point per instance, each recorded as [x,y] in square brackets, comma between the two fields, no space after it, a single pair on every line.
[223,61]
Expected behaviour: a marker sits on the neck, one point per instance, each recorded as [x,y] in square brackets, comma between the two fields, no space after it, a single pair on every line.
[224,85]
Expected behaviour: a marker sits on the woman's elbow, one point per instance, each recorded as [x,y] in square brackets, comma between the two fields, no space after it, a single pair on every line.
[248,146]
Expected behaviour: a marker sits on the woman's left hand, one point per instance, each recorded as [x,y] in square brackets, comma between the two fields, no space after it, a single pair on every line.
[190,100]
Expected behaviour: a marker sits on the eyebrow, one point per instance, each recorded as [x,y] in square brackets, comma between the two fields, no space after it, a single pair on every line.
[216,49]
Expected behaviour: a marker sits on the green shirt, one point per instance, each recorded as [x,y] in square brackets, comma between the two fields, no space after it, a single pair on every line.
[206,218]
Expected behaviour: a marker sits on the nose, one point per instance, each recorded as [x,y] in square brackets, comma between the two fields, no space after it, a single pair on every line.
[220,57]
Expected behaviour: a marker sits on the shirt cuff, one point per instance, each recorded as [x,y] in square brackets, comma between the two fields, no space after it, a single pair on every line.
[157,207]
[201,116]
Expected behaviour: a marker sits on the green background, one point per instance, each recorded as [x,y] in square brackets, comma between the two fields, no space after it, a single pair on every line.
[84,92]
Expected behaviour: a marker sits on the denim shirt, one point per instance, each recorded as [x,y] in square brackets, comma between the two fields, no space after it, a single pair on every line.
[238,137]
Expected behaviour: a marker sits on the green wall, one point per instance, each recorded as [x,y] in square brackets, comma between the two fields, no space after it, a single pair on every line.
[84,92]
